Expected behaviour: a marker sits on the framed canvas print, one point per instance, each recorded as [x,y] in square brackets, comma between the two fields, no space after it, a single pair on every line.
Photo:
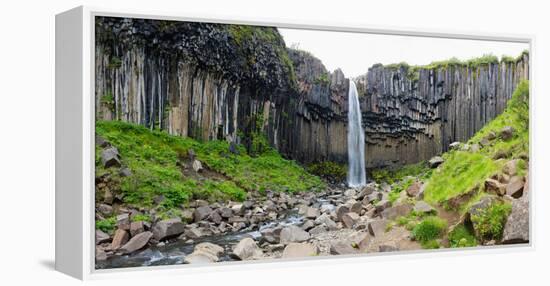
[186,141]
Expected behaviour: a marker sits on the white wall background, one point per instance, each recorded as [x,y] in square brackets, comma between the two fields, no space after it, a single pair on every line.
[27,141]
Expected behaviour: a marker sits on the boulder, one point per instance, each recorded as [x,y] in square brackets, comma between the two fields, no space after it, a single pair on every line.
[119,239]
[318,229]
[215,217]
[356,207]
[203,253]
[125,172]
[187,215]
[516,229]
[365,191]
[342,247]
[454,146]
[137,227]
[394,212]
[325,220]
[515,187]
[506,133]
[101,237]
[137,242]
[110,157]
[350,219]
[377,227]
[435,161]
[226,212]
[201,213]
[293,234]
[350,193]
[247,249]
[307,225]
[341,210]
[294,250]
[271,235]
[494,186]
[105,209]
[382,205]
[197,165]
[511,167]
[168,228]
[193,233]
[209,247]
[312,213]
[414,189]
[423,207]
[484,142]
[123,221]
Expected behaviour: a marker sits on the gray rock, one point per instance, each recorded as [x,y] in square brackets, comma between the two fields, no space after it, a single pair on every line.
[350,219]
[394,212]
[307,225]
[423,207]
[294,250]
[168,228]
[205,252]
[377,227]
[515,187]
[435,161]
[226,212]
[271,235]
[327,221]
[105,209]
[125,172]
[454,146]
[495,187]
[137,227]
[365,191]
[382,205]
[511,167]
[193,233]
[356,207]
[318,229]
[341,210]
[312,213]
[187,215]
[123,221]
[101,237]
[516,229]
[137,242]
[388,247]
[507,132]
[350,193]
[342,247]
[201,213]
[119,239]
[414,189]
[110,157]
[247,249]
[215,217]
[293,234]
[197,165]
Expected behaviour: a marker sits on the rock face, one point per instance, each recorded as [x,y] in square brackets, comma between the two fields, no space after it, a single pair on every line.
[516,229]
[168,228]
[197,80]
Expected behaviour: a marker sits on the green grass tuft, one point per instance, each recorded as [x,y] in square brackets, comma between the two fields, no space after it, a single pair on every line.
[429,228]
[489,224]
[462,237]
[106,225]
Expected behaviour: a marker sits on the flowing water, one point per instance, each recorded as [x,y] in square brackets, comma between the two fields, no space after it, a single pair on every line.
[356,141]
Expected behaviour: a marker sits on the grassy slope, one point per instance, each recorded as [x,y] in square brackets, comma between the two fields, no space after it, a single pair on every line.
[153,156]
[463,170]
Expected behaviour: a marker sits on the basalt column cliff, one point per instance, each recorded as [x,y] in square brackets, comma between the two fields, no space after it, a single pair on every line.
[411,114]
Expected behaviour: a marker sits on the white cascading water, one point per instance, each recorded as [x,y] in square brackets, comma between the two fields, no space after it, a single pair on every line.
[356,141]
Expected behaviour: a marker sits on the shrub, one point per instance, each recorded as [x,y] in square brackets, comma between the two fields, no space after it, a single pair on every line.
[429,229]
[106,225]
[430,244]
[462,237]
[329,170]
[489,223]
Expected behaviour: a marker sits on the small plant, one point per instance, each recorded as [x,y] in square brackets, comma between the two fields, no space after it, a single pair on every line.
[430,244]
[429,229]
[462,237]
[329,170]
[106,225]
[489,223]
[322,79]
[141,217]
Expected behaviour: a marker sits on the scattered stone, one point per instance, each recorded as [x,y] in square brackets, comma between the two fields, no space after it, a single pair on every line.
[193,233]
[237,219]
[325,220]
[435,161]
[501,154]
[105,209]
[341,210]
[382,205]
[388,247]
[168,228]
[123,221]
[203,253]
[271,235]
[494,186]
[365,243]
[215,217]
[197,165]
[201,213]
[209,247]
[125,172]
[423,207]
[318,230]
[484,142]
[100,254]
[294,250]
[137,227]
[454,146]
[187,215]
[507,132]
[491,135]
[515,187]
[377,227]
[307,225]
[110,157]
[247,249]
[414,189]
[396,211]
[312,213]
[293,234]
[474,148]
[356,207]
[119,239]
[137,242]
[350,219]
[342,247]
[350,193]
[511,167]
[101,237]
[365,191]
[516,229]
[226,212]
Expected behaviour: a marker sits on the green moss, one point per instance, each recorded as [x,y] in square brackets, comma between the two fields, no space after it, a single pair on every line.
[489,223]
[153,158]
[461,236]
[392,175]
[108,100]
[141,217]
[397,188]
[106,225]
[429,228]
[329,170]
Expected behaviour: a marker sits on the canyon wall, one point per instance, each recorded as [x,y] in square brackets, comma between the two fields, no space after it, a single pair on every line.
[230,82]
[411,114]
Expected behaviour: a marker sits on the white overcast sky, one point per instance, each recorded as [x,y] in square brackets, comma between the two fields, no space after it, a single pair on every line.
[354,53]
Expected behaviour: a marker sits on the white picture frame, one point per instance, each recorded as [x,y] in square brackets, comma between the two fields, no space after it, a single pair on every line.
[74,121]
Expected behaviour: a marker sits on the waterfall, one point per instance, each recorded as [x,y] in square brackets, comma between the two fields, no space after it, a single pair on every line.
[356,141]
